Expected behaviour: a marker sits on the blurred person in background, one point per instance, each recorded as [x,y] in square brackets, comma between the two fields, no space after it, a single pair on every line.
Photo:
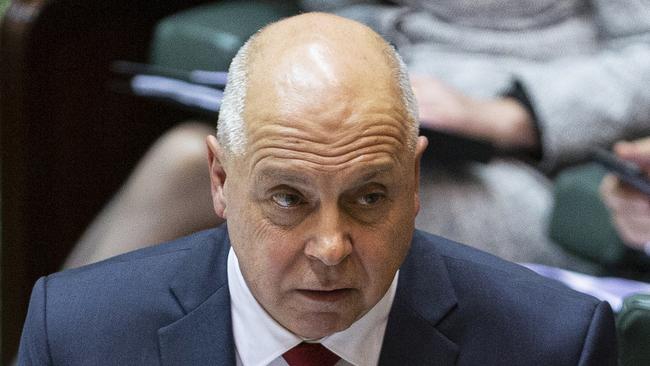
[541,80]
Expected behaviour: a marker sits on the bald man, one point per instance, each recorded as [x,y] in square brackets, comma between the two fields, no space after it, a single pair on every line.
[315,169]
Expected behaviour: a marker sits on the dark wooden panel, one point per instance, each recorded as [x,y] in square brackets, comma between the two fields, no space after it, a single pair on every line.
[67,142]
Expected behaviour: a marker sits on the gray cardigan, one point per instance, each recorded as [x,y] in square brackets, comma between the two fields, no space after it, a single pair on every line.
[585,64]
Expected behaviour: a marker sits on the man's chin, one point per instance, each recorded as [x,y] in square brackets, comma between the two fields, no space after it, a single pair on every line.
[321,323]
[314,314]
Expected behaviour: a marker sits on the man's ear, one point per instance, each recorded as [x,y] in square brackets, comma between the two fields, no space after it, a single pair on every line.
[420,147]
[216,161]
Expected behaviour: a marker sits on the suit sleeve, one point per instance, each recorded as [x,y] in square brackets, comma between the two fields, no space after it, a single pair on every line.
[34,349]
[600,342]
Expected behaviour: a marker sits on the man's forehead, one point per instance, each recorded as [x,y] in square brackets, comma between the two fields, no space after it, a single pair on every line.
[329,141]
[321,93]
[327,114]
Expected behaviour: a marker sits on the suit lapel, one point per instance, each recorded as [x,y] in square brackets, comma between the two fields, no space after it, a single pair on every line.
[204,335]
[424,297]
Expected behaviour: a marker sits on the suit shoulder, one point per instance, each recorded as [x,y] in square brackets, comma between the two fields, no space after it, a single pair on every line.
[133,292]
[160,257]
[490,270]
[512,307]
[137,281]
[506,291]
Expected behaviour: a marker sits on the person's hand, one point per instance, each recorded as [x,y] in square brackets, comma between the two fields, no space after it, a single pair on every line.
[630,209]
[504,122]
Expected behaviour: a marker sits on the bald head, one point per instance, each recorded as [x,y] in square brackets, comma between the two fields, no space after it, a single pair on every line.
[330,40]
[315,54]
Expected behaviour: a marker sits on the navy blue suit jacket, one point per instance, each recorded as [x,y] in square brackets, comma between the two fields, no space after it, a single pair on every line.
[170,305]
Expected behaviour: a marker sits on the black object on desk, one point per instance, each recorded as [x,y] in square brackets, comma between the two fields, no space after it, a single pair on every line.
[627,171]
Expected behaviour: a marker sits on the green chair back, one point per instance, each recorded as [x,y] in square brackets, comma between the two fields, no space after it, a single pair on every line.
[633,324]
[207,37]
[580,221]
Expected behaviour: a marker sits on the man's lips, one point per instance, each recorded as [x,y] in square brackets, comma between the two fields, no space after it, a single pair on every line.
[326,295]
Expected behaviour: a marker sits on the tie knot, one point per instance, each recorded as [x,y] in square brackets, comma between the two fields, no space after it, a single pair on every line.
[310,354]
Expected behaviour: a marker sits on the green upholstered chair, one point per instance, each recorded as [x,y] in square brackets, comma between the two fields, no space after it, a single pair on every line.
[633,323]
[207,37]
[580,221]
[581,224]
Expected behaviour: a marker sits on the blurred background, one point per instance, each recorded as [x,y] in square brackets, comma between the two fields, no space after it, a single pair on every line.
[73,127]
[68,140]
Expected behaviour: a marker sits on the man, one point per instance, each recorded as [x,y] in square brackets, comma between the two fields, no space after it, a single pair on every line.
[315,168]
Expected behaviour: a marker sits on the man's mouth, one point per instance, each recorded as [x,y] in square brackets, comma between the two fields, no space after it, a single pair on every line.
[326,295]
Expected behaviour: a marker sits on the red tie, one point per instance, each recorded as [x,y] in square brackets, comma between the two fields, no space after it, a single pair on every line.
[310,354]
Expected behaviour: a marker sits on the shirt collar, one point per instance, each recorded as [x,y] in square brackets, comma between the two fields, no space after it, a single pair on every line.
[360,344]
[259,339]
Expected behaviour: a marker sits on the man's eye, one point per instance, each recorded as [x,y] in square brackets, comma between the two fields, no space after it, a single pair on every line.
[286,200]
[370,199]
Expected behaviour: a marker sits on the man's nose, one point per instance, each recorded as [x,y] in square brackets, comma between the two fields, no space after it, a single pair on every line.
[331,242]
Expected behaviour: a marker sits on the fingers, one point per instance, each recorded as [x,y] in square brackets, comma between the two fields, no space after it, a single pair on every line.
[637,151]
[630,211]
[620,197]
[504,122]
[442,107]
[634,230]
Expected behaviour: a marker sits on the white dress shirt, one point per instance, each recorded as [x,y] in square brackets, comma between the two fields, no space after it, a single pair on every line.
[261,341]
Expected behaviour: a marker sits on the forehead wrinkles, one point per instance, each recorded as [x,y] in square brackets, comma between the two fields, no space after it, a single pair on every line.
[325,148]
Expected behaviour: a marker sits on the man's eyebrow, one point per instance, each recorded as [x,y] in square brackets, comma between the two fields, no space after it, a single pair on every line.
[379,170]
[269,174]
